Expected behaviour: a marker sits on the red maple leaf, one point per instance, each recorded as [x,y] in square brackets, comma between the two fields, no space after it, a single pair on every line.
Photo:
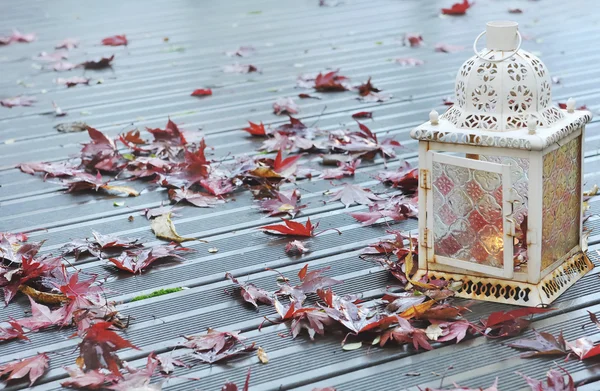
[510,323]
[403,178]
[49,169]
[446,48]
[307,96]
[233,387]
[217,186]
[217,345]
[98,63]
[132,137]
[310,282]
[243,51]
[412,39]
[99,245]
[457,8]
[452,330]
[42,317]
[14,332]
[397,208]
[293,228]
[584,348]
[136,261]
[281,165]
[198,199]
[285,106]
[251,293]
[34,367]
[83,181]
[73,81]
[345,169]
[16,36]
[74,289]
[330,81]
[202,92]
[68,43]
[63,66]
[171,134]
[409,61]
[296,246]
[256,129]
[282,203]
[15,250]
[29,269]
[555,381]
[354,317]
[167,363]
[240,68]
[18,101]
[98,347]
[115,40]
[367,88]
[101,153]
[362,114]
[543,344]
[406,333]
[350,194]
[90,380]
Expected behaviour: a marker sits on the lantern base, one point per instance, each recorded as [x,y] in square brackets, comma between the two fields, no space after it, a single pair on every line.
[518,293]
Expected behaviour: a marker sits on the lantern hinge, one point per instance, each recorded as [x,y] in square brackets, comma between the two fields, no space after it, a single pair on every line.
[531,236]
[425,239]
[424,178]
[512,226]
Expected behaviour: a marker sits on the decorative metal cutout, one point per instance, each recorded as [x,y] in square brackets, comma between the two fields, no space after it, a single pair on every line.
[514,292]
[561,198]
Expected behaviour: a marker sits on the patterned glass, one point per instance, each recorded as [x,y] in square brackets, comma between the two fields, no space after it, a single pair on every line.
[561,204]
[519,174]
[467,209]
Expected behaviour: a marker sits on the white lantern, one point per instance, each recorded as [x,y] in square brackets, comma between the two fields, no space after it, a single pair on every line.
[503,167]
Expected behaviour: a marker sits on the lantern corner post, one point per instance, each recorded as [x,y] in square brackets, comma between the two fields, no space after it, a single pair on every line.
[535,217]
[425,237]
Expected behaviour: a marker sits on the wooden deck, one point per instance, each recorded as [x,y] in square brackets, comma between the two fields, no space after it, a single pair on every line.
[152,79]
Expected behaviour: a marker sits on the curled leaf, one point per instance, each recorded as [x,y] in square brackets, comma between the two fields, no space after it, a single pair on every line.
[164,228]
[262,355]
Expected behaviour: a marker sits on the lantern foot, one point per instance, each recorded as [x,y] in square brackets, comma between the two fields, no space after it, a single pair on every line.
[515,292]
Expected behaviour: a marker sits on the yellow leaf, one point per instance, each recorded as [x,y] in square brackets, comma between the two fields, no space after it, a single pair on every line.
[416,310]
[262,355]
[43,297]
[592,192]
[264,172]
[408,267]
[164,228]
[121,190]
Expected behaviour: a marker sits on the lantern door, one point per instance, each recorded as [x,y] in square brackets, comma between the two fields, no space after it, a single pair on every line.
[469,215]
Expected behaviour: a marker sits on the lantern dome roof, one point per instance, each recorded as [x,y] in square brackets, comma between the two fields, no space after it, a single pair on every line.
[500,92]
[500,87]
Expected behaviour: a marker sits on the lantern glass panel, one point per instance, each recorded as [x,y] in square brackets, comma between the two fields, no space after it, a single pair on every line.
[561,201]
[519,173]
[468,218]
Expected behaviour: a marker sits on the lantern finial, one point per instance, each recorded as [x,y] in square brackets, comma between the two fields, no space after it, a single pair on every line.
[434,117]
[570,105]
[531,124]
